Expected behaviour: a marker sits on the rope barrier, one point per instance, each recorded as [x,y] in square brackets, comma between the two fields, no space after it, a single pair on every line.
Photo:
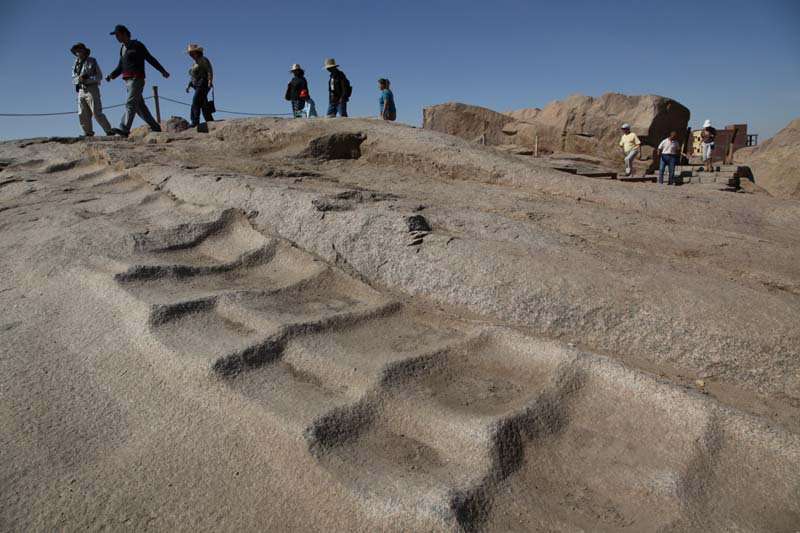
[59,113]
[231,112]
[146,98]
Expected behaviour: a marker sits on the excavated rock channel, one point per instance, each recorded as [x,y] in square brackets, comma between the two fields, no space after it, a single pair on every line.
[409,416]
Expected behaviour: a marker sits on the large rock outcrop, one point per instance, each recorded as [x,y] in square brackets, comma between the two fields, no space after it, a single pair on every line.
[578,124]
[776,163]
[469,122]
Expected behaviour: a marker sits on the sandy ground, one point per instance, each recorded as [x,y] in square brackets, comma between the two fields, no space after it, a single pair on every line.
[241,330]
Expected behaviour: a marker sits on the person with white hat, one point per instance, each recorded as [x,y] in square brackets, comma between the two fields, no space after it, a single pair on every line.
[201,79]
[631,145]
[707,138]
[297,93]
[339,89]
[86,77]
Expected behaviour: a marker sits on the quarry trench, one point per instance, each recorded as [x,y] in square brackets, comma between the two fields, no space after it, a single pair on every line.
[420,418]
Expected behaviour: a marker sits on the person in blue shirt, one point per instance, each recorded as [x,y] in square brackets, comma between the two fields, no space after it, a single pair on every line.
[386,101]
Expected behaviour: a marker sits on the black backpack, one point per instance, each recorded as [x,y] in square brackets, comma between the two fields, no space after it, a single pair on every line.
[348,89]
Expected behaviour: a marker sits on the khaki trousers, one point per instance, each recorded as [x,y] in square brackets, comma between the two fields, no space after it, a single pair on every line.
[89,105]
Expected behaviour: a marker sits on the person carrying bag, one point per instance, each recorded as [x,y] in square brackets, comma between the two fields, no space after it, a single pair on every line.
[201,76]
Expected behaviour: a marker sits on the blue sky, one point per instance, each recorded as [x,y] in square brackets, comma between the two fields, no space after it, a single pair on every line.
[731,61]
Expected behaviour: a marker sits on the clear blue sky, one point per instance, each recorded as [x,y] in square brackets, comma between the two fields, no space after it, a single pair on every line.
[731,61]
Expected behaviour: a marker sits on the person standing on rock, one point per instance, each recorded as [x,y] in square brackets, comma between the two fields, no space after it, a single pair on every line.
[631,145]
[339,89]
[297,93]
[708,137]
[132,55]
[669,152]
[86,77]
[201,79]
[386,101]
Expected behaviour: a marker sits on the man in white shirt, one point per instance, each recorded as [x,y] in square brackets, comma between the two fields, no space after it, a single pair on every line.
[669,151]
[631,145]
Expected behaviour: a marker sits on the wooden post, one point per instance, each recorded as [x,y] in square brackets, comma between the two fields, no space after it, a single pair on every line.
[158,105]
[536,146]
[729,155]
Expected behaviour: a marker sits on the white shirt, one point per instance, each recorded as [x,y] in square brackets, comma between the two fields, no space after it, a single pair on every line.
[669,147]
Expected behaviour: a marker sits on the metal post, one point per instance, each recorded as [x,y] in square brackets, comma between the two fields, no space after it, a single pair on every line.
[158,105]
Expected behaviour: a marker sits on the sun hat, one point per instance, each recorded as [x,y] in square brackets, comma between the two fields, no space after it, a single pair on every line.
[707,124]
[626,126]
[79,46]
[331,63]
[120,27]
[295,66]
[194,47]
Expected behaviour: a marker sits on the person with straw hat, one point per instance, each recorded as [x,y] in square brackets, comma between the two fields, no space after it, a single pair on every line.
[339,89]
[631,145]
[86,77]
[201,79]
[297,93]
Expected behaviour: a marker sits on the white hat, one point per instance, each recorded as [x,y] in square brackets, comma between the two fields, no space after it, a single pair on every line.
[707,124]
[295,67]
[626,126]
[330,63]
[194,48]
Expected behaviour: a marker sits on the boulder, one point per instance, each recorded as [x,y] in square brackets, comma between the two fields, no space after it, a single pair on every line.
[139,133]
[469,122]
[176,125]
[579,124]
[775,164]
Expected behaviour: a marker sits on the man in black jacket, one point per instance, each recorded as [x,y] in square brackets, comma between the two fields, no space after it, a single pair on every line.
[132,56]
[339,89]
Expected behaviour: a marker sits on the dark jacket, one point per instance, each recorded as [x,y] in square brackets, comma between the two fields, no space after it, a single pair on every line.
[131,61]
[294,88]
[338,86]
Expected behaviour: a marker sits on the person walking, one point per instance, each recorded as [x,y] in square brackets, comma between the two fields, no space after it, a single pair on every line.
[631,145]
[201,79]
[388,111]
[339,89]
[132,55]
[297,93]
[669,151]
[86,77]
[707,142]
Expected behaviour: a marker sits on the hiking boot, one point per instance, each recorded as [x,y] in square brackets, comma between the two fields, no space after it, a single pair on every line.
[117,131]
